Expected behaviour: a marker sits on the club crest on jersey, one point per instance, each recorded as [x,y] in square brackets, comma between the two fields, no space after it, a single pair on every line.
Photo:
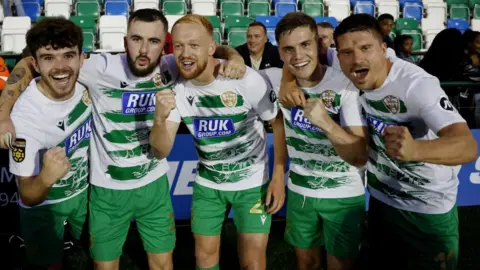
[378,125]
[162,78]
[300,121]
[328,98]
[229,99]
[138,103]
[18,150]
[86,97]
[82,133]
[213,127]
[392,103]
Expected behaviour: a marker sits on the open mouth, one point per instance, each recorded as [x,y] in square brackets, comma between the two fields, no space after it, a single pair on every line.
[360,74]
[61,79]
[300,65]
[188,65]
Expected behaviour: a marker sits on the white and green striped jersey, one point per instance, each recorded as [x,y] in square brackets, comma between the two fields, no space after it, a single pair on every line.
[412,98]
[316,170]
[123,110]
[225,119]
[40,124]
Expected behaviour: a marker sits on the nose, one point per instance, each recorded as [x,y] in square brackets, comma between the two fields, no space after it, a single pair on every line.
[186,52]
[358,57]
[144,48]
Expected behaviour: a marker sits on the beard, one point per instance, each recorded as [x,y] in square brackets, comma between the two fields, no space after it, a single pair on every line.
[143,72]
[50,83]
[201,66]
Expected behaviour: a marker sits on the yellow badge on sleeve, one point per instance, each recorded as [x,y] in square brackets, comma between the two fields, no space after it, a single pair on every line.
[18,150]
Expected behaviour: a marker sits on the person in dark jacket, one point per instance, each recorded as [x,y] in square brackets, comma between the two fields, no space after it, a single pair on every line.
[258,53]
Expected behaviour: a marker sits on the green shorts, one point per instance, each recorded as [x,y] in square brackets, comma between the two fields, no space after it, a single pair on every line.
[405,240]
[111,212]
[209,207]
[43,228]
[333,223]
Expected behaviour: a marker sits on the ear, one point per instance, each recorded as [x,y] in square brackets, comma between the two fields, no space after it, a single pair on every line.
[82,57]
[212,47]
[35,64]
[125,43]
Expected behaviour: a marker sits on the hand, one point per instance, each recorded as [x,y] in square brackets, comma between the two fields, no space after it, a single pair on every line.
[6,126]
[317,114]
[275,193]
[164,103]
[399,143]
[55,165]
[234,68]
[291,96]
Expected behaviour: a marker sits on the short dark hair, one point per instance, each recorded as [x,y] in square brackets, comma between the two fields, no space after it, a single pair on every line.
[56,32]
[325,25]
[292,21]
[385,16]
[258,24]
[358,22]
[149,15]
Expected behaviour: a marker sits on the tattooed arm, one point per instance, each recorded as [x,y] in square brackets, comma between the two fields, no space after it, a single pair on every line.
[16,83]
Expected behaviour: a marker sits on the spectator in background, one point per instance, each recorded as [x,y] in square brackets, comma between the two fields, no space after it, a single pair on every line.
[13,8]
[325,34]
[168,48]
[403,48]
[258,53]
[472,41]
[3,73]
[386,22]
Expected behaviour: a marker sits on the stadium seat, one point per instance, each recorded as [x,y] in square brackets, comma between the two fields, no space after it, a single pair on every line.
[258,8]
[217,28]
[282,7]
[429,37]
[363,7]
[32,10]
[330,20]
[313,8]
[413,10]
[204,7]
[429,24]
[55,8]
[460,11]
[231,7]
[271,37]
[116,7]
[406,24]
[13,34]
[459,24]
[340,9]
[1,14]
[236,30]
[171,19]
[388,7]
[475,6]
[112,31]
[270,22]
[476,24]
[88,42]
[437,11]
[402,3]
[87,8]
[417,37]
[173,7]
[87,23]
[142,4]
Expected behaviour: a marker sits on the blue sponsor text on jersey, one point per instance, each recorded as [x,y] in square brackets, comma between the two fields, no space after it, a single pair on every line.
[138,102]
[378,125]
[299,120]
[214,127]
[80,134]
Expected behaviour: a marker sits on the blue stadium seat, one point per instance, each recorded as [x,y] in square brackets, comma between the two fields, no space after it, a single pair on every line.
[275,2]
[283,7]
[459,24]
[32,10]
[116,8]
[271,36]
[332,20]
[41,2]
[403,2]
[413,10]
[270,22]
[364,7]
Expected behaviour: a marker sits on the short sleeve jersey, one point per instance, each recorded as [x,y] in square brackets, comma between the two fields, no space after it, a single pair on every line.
[123,110]
[316,170]
[412,98]
[225,119]
[40,124]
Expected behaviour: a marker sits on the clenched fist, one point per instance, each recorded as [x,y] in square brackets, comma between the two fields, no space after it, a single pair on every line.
[165,102]
[55,165]
[399,143]
[317,114]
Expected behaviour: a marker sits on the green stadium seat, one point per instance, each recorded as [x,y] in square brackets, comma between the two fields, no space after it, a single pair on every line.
[231,7]
[406,24]
[302,2]
[312,8]
[237,38]
[87,23]
[258,8]
[417,38]
[90,8]
[457,2]
[174,7]
[88,41]
[217,28]
[459,11]
[100,2]
[236,29]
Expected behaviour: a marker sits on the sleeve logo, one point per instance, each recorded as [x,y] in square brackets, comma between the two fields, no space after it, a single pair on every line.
[446,104]
[273,96]
[18,150]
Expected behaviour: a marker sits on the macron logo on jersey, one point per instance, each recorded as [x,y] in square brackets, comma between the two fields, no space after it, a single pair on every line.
[80,134]
[138,102]
[211,128]
[299,120]
[378,124]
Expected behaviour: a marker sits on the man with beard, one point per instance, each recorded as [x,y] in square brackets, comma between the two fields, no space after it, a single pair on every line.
[225,117]
[128,181]
[50,158]
[416,139]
